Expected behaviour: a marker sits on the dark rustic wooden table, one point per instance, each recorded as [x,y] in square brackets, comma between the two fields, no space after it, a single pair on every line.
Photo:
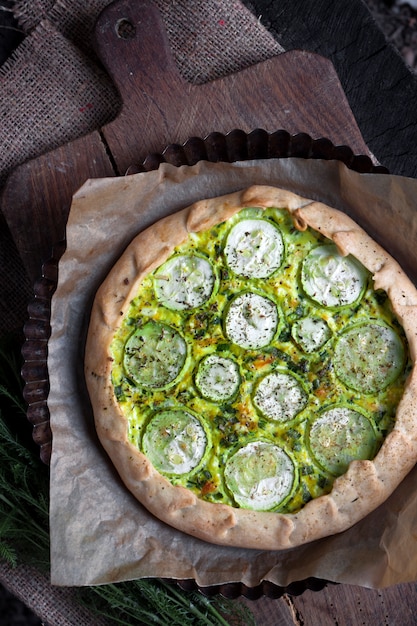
[380,89]
[339,79]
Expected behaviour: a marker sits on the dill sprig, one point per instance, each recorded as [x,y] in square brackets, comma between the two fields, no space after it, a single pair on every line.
[160,603]
[24,530]
[23,503]
[23,478]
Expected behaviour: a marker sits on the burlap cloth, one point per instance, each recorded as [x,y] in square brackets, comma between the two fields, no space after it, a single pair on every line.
[44,88]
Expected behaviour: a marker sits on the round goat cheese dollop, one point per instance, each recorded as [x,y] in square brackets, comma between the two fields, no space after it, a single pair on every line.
[280,396]
[217,378]
[251,320]
[331,279]
[184,282]
[254,248]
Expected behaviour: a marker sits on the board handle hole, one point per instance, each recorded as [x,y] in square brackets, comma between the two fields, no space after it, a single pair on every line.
[125,29]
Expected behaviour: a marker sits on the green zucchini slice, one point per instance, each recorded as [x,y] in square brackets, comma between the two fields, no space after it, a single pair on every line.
[340,435]
[368,357]
[331,279]
[260,475]
[155,355]
[175,442]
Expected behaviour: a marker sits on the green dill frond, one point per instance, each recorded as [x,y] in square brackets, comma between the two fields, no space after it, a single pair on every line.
[156,602]
[11,382]
[8,554]
[15,400]
[24,483]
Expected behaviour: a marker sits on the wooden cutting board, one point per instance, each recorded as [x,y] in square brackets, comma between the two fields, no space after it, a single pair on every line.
[297,91]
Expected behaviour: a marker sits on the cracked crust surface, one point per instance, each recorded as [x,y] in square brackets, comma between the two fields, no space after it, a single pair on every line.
[365,485]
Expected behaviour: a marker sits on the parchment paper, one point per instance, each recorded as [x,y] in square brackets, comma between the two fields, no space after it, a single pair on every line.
[99,533]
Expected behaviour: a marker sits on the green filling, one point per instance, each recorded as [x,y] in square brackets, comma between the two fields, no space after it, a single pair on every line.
[212,363]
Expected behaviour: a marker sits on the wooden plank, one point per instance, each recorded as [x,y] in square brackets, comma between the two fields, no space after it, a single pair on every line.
[380,89]
[270,611]
[37,196]
[347,605]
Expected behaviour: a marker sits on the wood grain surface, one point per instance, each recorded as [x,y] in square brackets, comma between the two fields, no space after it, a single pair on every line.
[159,107]
[340,605]
[37,196]
[381,90]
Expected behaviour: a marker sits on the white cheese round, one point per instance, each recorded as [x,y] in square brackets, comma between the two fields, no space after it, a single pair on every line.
[251,320]
[217,378]
[184,282]
[254,248]
[310,333]
[280,397]
[331,279]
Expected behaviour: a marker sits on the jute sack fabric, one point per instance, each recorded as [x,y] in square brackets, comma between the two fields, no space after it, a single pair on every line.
[55,607]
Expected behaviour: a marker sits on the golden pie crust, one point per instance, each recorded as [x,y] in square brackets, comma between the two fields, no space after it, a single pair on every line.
[365,485]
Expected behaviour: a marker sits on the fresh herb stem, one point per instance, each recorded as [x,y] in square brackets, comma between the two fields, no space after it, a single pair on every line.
[120,603]
[17,402]
[204,620]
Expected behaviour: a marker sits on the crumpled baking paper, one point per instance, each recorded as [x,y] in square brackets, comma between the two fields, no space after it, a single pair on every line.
[99,532]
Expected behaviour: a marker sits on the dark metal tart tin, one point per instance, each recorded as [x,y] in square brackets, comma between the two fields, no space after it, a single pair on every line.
[236,145]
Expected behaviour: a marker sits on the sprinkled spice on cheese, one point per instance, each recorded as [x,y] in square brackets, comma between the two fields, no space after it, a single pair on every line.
[256,362]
